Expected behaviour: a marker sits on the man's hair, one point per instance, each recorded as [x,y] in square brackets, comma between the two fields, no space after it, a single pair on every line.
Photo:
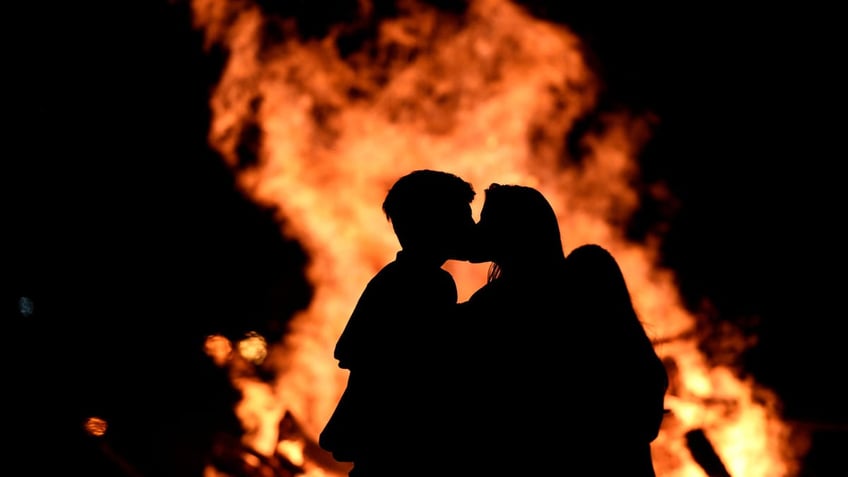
[416,199]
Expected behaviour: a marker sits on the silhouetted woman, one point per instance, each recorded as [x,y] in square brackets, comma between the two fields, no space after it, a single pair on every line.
[561,377]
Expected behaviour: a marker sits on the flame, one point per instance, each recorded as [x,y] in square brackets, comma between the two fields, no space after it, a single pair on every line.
[491,95]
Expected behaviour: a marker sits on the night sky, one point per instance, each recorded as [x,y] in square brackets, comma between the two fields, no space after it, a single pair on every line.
[125,229]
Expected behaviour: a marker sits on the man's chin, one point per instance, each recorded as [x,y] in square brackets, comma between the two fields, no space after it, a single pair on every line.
[361,470]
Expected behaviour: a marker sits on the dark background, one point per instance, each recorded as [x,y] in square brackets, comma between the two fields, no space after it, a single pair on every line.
[127,233]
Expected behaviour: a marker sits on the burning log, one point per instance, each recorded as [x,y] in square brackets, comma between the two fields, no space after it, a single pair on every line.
[230,455]
[120,462]
[309,453]
[704,454]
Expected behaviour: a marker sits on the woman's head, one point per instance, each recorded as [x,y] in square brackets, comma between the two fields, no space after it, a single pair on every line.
[518,228]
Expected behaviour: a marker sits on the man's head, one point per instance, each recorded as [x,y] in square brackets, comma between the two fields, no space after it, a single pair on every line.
[430,212]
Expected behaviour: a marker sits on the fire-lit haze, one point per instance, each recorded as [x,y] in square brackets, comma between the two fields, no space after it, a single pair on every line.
[492,95]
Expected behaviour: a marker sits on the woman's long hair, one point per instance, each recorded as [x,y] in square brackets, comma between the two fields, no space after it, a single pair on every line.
[518,230]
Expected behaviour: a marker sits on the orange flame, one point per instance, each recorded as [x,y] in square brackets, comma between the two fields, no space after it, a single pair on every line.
[490,96]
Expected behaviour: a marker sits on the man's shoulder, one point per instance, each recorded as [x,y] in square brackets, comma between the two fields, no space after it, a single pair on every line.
[396,280]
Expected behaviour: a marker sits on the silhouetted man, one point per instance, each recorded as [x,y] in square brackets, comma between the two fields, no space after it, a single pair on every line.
[386,421]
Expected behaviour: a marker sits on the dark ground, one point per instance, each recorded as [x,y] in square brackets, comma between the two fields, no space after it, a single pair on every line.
[124,229]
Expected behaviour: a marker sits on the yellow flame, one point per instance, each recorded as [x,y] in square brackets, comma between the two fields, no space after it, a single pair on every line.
[253,348]
[491,97]
[292,449]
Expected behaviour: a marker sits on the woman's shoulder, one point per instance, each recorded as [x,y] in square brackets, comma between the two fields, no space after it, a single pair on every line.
[484,293]
[491,295]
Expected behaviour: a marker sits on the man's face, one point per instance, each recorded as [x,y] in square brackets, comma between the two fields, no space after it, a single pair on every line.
[479,245]
[459,232]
